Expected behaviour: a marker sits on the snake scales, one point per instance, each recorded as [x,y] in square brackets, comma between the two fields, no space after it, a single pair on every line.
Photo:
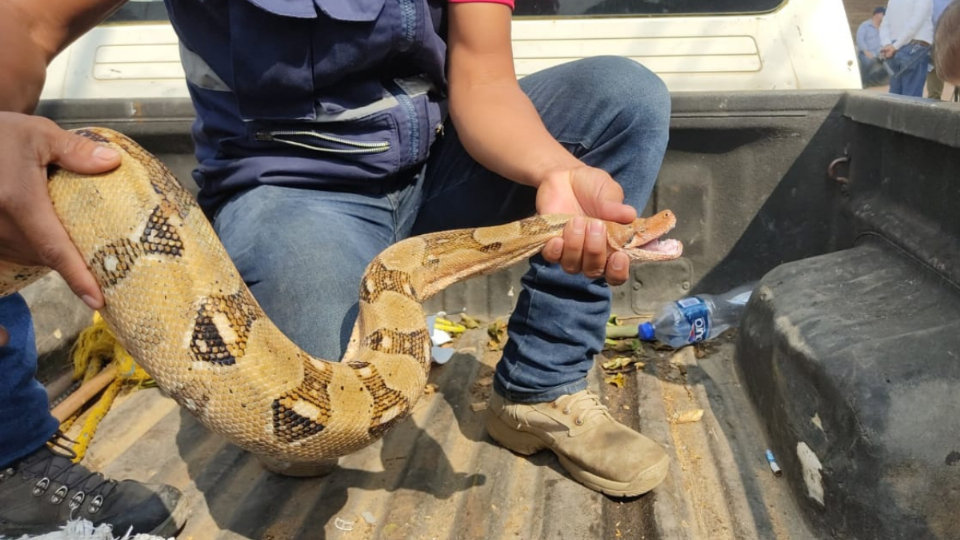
[177,303]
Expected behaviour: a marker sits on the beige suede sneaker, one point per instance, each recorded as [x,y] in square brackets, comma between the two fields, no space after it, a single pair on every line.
[595,449]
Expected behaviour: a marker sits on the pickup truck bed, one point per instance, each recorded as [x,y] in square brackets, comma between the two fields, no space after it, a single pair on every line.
[842,205]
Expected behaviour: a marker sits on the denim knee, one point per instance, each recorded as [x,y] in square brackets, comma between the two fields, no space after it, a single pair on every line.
[302,254]
[625,90]
[630,106]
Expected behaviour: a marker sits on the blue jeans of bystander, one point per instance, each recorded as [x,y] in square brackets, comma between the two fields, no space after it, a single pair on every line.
[25,421]
[909,66]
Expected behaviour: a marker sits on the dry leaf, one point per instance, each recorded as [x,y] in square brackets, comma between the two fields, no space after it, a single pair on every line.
[616,380]
[497,330]
[469,321]
[618,362]
[620,345]
[686,417]
[622,363]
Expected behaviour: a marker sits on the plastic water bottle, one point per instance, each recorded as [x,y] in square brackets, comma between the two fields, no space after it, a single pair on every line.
[696,318]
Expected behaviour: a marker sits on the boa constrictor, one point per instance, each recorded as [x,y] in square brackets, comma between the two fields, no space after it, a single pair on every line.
[177,303]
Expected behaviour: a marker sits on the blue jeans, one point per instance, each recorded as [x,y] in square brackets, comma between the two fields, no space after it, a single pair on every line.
[872,71]
[909,66]
[302,252]
[25,420]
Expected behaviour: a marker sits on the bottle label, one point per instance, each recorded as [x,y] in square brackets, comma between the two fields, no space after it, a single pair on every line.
[694,310]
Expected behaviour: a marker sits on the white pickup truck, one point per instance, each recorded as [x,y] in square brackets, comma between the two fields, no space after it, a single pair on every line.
[692,45]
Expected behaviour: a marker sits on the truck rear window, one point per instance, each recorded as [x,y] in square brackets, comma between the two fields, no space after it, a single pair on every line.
[154,10]
[140,11]
[581,8]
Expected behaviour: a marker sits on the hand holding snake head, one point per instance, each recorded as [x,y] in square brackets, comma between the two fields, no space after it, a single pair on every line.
[585,192]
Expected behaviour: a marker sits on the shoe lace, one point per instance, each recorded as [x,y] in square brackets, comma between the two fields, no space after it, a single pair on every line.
[56,466]
[583,405]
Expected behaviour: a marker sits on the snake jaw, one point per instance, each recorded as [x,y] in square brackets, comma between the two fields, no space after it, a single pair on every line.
[641,240]
[655,250]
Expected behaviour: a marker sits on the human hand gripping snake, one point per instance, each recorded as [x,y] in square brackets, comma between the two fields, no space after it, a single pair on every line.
[176,302]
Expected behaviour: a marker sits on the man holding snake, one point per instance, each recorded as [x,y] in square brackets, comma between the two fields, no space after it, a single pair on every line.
[327,130]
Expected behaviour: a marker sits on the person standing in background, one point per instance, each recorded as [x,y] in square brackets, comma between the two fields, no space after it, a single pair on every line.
[906,33]
[935,79]
[872,72]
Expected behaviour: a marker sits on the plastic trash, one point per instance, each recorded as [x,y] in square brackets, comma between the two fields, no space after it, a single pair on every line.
[696,318]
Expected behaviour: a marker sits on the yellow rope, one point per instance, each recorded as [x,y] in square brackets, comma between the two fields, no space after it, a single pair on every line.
[97,412]
[95,348]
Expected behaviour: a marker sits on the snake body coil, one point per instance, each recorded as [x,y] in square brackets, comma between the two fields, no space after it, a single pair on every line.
[178,305]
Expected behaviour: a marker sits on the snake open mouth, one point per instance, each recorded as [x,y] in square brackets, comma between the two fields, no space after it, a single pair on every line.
[663,247]
[647,243]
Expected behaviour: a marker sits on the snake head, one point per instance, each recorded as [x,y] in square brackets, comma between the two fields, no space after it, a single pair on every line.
[641,240]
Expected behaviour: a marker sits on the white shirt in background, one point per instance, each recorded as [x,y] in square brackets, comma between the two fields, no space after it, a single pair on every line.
[905,21]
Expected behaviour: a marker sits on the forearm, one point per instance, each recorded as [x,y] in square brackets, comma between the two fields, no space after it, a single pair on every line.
[31,34]
[885,37]
[496,122]
[500,128]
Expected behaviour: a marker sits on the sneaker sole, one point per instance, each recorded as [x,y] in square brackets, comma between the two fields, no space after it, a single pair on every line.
[175,522]
[645,480]
[527,444]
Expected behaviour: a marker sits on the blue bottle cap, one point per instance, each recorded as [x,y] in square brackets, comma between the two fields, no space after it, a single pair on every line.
[646,332]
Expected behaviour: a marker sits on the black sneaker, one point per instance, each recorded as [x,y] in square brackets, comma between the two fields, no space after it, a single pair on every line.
[42,491]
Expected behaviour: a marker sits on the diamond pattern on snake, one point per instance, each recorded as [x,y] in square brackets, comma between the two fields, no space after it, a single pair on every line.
[222,328]
[303,412]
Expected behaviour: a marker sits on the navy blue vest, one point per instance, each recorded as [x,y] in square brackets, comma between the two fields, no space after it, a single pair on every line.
[310,93]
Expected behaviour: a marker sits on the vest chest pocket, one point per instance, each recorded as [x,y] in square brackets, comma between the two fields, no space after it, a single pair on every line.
[321,142]
[364,148]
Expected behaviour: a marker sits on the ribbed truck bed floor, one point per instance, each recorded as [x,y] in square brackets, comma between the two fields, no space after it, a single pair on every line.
[439,476]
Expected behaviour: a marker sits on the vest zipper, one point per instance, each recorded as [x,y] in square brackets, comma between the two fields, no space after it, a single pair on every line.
[414,120]
[408,15]
[357,147]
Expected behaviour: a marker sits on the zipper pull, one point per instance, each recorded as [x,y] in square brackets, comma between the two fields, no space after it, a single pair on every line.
[263,136]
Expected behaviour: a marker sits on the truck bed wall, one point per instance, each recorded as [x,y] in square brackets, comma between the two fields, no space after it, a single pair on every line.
[746,174]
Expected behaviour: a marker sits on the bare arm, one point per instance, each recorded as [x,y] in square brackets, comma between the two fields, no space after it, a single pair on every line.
[886,38]
[484,93]
[501,129]
[32,32]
